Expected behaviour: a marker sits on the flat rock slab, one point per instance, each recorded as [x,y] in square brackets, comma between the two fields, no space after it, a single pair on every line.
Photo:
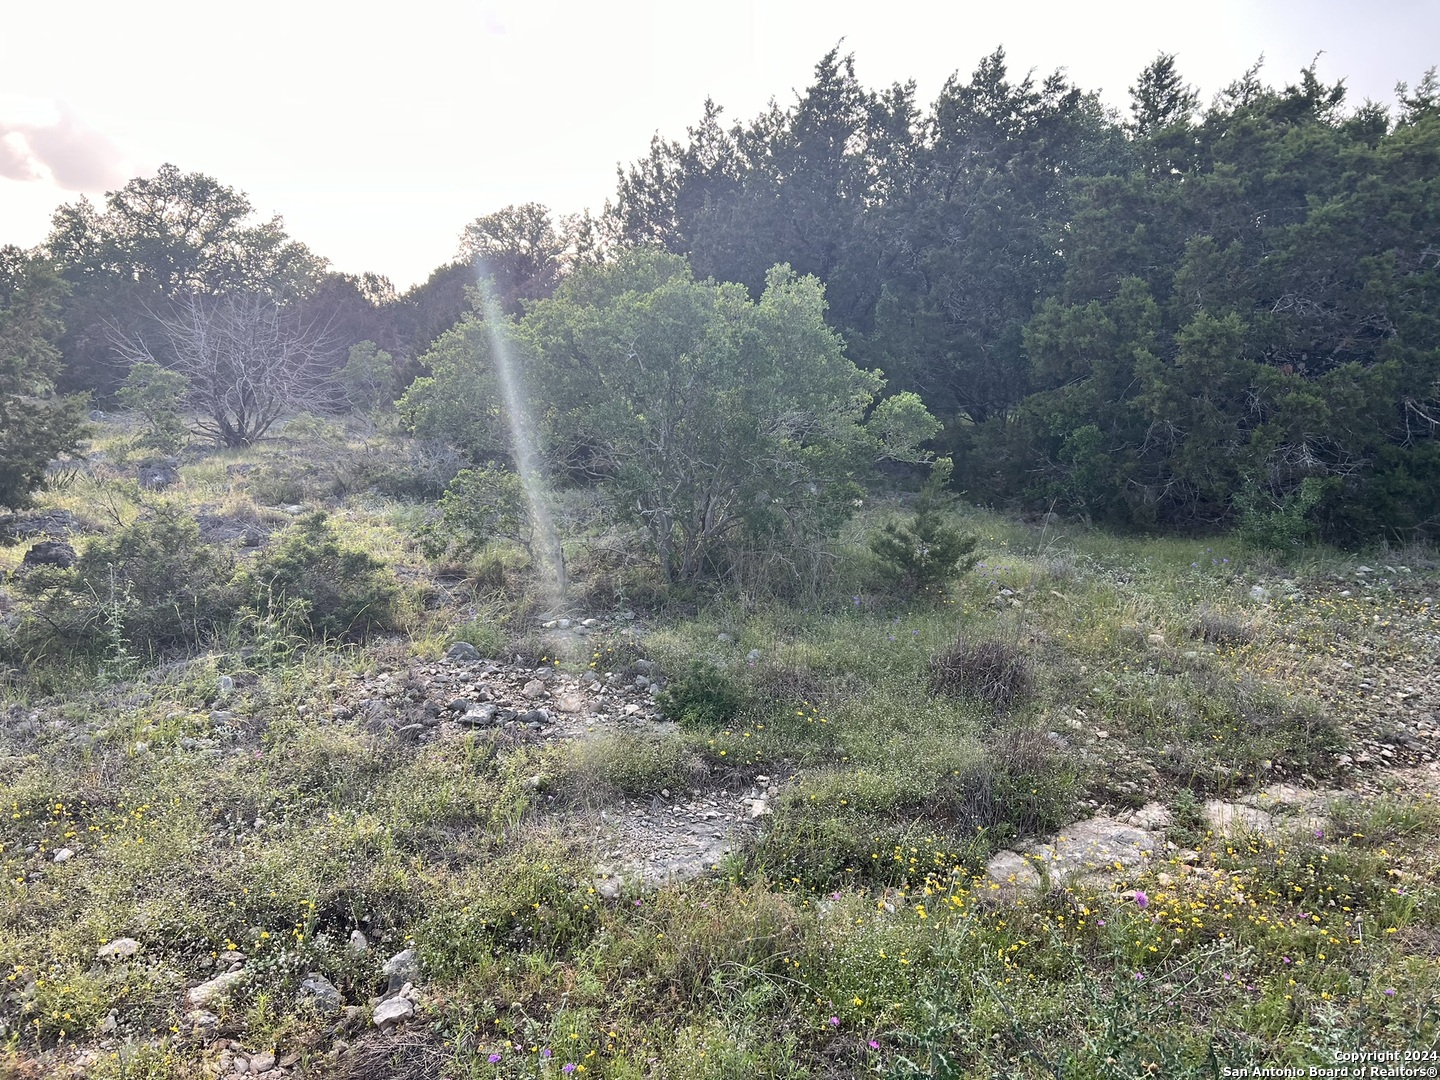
[1232,818]
[1278,808]
[1094,850]
[119,949]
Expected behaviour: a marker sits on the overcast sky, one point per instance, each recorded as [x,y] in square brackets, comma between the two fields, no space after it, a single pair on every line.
[379,132]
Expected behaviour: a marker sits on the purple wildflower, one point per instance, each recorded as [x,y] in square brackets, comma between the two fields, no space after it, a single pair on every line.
[1141,900]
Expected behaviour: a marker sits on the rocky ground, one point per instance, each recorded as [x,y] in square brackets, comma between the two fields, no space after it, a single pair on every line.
[672,836]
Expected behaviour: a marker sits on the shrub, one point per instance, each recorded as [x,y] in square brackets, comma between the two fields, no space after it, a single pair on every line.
[157,394]
[157,582]
[1219,628]
[1273,524]
[995,672]
[479,505]
[368,378]
[704,695]
[347,593]
[925,552]
[487,637]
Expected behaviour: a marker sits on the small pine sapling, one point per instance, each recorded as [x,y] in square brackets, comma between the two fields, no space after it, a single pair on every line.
[926,551]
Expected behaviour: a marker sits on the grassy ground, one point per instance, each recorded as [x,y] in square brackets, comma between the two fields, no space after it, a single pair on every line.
[217,805]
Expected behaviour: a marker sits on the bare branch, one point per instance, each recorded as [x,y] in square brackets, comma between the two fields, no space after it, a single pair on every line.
[247,362]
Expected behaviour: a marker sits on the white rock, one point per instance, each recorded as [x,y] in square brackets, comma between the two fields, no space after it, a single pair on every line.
[216,988]
[120,949]
[393,1011]
[64,855]
[403,967]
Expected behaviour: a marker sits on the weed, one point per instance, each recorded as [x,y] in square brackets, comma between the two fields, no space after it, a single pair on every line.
[993,671]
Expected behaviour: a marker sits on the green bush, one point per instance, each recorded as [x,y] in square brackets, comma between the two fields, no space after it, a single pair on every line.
[157,393]
[156,582]
[1287,523]
[346,593]
[703,695]
[479,505]
[926,551]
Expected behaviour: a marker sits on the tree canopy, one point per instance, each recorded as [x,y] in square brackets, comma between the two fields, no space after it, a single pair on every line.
[706,414]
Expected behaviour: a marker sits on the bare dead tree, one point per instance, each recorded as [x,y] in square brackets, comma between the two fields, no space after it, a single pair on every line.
[247,363]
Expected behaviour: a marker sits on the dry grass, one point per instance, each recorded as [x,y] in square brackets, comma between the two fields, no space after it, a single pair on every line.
[993,671]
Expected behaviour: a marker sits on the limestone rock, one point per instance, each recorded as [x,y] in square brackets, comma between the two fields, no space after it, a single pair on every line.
[462,651]
[120,949]
[392,1011]
[322,991]
[401,968]
[216,989]
[1230,818]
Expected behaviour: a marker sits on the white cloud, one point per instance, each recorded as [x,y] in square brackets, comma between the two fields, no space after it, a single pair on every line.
[48,141]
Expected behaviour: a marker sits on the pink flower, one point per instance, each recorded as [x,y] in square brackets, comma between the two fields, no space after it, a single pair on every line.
[834,1021]
[874,1045]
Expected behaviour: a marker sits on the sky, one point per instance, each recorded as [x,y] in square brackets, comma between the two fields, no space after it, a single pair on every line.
[379,132]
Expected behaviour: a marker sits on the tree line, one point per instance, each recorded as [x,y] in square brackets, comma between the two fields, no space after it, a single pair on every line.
[1185,316]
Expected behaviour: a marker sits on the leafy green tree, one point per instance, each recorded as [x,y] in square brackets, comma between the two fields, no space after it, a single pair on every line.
[182,234]
[426,310]
[709,414]
[158,395]
[460,401]
[368,377]
[1247,332]
[35,423]
[519,250]
[796,186]
[481,505]
[977,237]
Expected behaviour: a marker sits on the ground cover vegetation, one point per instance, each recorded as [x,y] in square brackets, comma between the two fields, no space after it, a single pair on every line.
[872,501]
